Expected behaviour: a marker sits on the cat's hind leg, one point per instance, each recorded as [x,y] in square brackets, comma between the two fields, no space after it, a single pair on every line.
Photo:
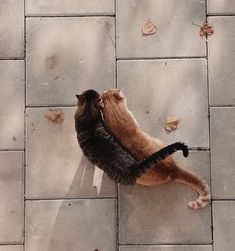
[200,186]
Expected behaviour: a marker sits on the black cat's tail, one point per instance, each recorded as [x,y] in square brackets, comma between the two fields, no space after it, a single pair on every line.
[140,167]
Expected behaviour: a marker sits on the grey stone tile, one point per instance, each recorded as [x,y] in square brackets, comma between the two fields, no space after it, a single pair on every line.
[55,167]
[157,89]
[12,29]
[11,197]
[168,248]
[12,104]
[70,7]
[221,61]
[71,225]
[176,36]
[11,248]
[159,215]
[224,225]
[221,7]
[222,152]
[68,55]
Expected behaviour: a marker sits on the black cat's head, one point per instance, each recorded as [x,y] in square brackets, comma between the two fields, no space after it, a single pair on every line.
[89,103]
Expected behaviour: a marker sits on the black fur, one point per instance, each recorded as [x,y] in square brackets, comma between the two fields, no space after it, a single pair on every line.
[104,150]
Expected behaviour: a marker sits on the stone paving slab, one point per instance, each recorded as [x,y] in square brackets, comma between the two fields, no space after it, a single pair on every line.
[12,104]
[168,248]
[159,215]
[70,225]
[222,152]
[224,225]
[11,197]
[221,61]
[12,29]
[156,89]
[11,248]
[221,7]
[176,36]
[68,55]
[69,7]
[55,166]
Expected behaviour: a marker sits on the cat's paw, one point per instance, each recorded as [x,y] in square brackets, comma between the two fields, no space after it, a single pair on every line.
[197,204]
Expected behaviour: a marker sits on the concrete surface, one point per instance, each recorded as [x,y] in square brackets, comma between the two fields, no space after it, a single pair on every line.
[52,50]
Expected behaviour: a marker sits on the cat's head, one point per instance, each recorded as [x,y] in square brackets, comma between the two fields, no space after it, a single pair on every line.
[89,103]
[114,96]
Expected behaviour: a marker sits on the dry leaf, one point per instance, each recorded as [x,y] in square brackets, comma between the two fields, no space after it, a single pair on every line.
[55,116]
[171,123]
[206,30]
[149,28]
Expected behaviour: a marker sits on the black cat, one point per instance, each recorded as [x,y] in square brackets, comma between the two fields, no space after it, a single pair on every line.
[104,150]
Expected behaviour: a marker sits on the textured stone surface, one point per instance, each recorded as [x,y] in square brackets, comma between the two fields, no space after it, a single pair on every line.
[159,215]
[55,166]
[11,248]
[221,61]
[221,7]
[11,197]
[168,248]
[70,225]
[69,7]
[222,152]
[176,36]
[157,89]
[12,105]
[12,29]
[67,56]
[224,225]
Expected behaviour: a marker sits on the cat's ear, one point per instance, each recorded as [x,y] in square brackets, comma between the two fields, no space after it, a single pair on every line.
[119,95]
[80,98]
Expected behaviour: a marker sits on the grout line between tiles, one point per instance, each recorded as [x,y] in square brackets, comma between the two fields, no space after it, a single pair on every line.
[11,150]
[220,15]
[51,106]
[74,198]
[165,244]
[160,58]
[69,15]
[116,185]
[215,200]
[209,125]
[24,164]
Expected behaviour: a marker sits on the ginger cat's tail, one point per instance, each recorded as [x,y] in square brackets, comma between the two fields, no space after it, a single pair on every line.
[136,170]
[200,186]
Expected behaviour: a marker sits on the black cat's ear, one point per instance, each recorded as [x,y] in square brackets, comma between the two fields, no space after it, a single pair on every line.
[80,98]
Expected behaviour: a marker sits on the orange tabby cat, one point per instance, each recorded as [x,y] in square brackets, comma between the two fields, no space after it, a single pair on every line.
[125,127]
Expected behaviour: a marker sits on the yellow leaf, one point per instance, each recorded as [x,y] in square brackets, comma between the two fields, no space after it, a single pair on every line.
[55,115]
[149,28]
[171,123]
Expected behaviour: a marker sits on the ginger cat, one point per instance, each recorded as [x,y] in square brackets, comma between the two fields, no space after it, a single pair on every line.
[125,127]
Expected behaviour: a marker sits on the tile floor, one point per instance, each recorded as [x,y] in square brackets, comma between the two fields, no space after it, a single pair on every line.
[51,50]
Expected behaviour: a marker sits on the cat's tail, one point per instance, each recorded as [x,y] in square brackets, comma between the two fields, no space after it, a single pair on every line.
[140,167]
[200,186]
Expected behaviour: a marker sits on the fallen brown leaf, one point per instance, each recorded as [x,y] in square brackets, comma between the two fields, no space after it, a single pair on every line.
[149,28]
[55,115]
[206,30]
[171,123]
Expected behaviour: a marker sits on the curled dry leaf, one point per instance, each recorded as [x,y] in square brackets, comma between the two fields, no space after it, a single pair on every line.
[206,30]
[55,115]
[171,123]
[149,28]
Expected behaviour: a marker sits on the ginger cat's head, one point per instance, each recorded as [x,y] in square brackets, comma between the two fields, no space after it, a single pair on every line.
[114,97]
[116,113]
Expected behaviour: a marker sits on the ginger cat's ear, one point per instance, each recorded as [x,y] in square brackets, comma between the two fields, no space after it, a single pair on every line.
[119,95]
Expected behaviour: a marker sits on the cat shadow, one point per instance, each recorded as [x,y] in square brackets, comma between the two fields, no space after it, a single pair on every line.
[80,190]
